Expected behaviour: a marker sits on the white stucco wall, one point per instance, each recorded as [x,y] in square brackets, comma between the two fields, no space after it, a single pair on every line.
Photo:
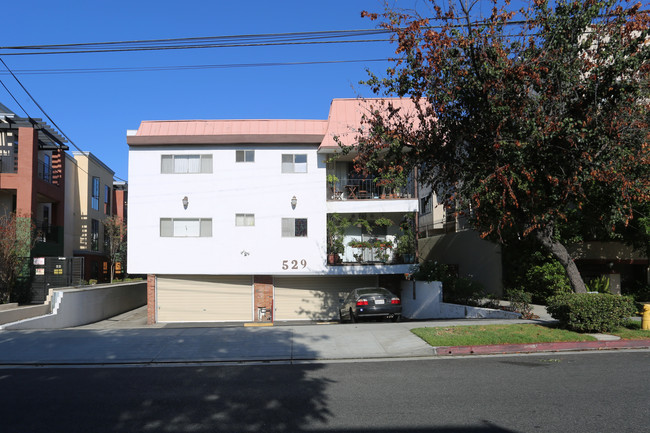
[259,188]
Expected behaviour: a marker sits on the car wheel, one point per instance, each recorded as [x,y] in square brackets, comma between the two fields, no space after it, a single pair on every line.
[395,318]
[353,319]
[341,320]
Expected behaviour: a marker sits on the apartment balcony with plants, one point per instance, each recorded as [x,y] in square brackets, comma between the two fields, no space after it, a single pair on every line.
[349,191]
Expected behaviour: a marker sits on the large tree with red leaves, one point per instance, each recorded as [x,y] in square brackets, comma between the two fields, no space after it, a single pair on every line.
[526,118]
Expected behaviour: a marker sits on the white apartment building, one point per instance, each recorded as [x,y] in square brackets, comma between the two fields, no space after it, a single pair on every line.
[228,218]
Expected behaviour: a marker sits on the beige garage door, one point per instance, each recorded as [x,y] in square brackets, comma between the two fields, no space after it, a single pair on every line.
[204,298]
[314,298]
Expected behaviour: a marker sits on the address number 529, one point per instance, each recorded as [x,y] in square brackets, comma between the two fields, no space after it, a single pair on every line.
[294,264]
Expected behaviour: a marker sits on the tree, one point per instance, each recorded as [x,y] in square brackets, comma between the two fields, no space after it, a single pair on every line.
[17,238]
[115,232]
[524,124]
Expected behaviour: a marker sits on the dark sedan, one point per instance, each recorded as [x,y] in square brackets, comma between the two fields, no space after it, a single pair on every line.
[370,302]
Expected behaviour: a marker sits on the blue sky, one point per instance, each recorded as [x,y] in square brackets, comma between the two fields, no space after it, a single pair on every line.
[96,109]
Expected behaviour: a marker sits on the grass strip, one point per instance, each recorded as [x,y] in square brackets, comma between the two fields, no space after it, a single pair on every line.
[632,331]
[476,335]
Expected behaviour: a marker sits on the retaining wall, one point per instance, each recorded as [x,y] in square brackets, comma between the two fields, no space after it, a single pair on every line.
[422,300]
[80,306]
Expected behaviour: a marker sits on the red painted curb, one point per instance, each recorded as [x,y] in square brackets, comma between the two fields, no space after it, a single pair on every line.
[540,347]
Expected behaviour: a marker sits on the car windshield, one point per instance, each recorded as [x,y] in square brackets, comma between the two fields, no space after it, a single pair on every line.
[373,291]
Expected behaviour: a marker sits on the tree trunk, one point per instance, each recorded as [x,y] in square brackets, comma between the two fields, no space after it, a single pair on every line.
[559,251]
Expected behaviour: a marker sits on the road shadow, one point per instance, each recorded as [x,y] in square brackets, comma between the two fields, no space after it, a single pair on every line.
[263,398]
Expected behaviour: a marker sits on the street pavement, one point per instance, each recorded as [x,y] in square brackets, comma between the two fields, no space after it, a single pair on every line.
[127,339]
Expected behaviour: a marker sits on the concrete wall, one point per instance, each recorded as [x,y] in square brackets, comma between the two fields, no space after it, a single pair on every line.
[476,258]
[80,306]
[13,313]
[423,300]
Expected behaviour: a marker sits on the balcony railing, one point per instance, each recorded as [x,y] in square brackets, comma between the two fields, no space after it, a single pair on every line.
[367,189]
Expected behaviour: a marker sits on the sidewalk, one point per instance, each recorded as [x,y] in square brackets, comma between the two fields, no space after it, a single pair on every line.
[126,339]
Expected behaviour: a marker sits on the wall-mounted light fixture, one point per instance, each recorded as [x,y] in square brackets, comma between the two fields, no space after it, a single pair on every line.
[185,202]
[294,201]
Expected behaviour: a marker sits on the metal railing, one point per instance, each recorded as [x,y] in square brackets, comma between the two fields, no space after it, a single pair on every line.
[367,189]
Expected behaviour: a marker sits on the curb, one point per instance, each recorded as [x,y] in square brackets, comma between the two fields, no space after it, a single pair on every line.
[540,347]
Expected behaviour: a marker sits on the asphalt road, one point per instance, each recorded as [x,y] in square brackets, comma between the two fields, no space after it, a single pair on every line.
[577,392]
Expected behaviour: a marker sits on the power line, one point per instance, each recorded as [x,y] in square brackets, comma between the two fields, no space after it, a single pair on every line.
[179,67]
[39,106]
[274,39]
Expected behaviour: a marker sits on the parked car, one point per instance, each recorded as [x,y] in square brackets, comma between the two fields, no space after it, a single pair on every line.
[370,302]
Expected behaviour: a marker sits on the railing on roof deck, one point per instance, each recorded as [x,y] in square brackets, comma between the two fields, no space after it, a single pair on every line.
[368,189]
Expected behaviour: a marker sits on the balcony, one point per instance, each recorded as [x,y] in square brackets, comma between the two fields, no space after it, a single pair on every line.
[370,188]
[358,240]
[49,240]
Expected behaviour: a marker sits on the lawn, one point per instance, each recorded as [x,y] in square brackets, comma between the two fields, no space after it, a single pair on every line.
[496,334]
[632,331]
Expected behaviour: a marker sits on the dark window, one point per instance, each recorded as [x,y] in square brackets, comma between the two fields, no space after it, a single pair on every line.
[95,194]
[294,227]
[94,235]
[245,156]
[107,200]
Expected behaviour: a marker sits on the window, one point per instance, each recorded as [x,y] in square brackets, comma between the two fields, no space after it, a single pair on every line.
[94,203]
[107,199]
[294,227]
[244,219]
[245,156]
[186,164]
[425,205]
[94,235]
[186,227]
[294,163]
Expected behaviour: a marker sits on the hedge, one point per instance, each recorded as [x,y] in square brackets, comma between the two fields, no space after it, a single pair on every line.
[591,312]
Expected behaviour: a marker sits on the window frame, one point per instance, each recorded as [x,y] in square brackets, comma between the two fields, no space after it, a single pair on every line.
[205,164]
[94,235]
[107,200]
[285,164]
[204,227]
[94,193]
[246,218]
[297,227]
[244,153]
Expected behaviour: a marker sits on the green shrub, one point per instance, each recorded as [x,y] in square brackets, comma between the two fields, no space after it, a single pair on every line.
[546,280]
[591,312]
[455,290]
[520,302]
[463,291]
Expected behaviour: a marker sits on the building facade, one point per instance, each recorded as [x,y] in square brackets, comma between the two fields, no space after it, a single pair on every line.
[32,177]
[88,203]
[229,218]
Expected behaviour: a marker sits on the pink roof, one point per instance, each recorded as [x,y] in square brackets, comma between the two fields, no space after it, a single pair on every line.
[346,116]
[344,122]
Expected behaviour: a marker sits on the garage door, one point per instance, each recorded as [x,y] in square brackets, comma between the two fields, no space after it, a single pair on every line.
[314,298]
[204,298]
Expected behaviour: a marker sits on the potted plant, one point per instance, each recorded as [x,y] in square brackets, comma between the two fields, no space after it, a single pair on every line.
[393,181]
[406,242]
[361,246]
[332,181]
[382,249]
[336,226]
